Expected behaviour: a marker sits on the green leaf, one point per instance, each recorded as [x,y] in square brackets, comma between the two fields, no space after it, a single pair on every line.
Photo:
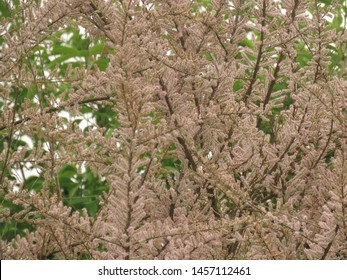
[171,164]
[326,2]
[68,51]
[337,21]
[4,11]
[208,56]
[238,85]
[34,183]
[96,49]
[303,57]
[102,63]
[32,92]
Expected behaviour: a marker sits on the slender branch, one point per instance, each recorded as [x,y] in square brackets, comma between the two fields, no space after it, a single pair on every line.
[327,249]
[59,108]
[180,140]
[260,53]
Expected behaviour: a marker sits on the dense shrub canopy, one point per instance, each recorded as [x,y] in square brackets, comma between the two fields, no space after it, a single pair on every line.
[191,129]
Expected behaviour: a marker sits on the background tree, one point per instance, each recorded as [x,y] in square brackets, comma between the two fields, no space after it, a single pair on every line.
[173,129]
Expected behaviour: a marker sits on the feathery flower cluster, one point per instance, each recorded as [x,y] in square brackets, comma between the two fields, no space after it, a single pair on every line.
[215,130]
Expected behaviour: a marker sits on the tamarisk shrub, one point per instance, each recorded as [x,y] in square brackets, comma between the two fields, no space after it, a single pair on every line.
[168,129]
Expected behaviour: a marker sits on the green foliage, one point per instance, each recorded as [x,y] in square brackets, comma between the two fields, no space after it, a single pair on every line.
[68,46]
[4,9]
[303,55]
[81,190]
[11,228]
[106,117]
